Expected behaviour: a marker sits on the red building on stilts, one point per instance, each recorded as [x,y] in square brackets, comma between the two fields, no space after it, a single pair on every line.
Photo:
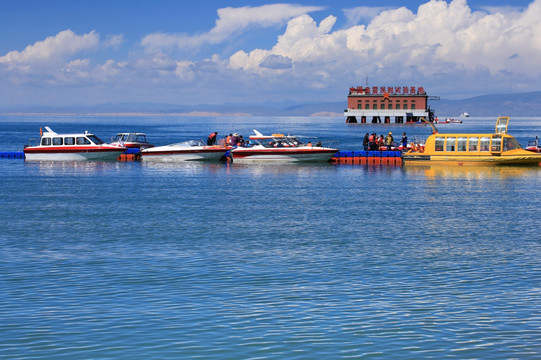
[392,104]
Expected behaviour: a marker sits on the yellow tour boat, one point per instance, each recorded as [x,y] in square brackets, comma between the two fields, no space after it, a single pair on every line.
[499,148]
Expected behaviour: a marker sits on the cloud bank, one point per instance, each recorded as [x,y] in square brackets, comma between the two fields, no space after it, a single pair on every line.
[445,47]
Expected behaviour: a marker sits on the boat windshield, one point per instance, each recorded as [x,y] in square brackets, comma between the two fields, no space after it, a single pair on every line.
[96,140]
[279,142]
[510,144]
[138,138]
[190,143]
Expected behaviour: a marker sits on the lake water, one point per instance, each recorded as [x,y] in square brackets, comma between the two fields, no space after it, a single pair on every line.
[132,260]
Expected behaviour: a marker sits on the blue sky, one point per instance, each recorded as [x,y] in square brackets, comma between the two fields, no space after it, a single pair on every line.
[61,53]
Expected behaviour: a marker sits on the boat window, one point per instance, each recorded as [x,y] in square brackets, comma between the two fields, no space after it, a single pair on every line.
[439,144]
[69,141]
[82,141]
[485,143]
[96,140]
[450,144]
[461,144]
[510,144]
[496,144]
[45,141]
[57,141]
[473,144]
[141,138]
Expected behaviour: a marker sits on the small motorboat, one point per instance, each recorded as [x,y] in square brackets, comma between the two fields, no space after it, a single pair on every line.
[70,147]
[131,140]
[283,148]
[534,145]
[451,121]
[191,150]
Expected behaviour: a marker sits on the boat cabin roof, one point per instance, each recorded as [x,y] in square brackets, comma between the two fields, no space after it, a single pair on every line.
[50,133]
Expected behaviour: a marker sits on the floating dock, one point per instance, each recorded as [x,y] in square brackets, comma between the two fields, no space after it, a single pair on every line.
[131,154]
[393,158]
[12,154]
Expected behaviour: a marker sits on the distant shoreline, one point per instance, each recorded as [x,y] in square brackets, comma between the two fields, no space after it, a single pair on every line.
[193,114]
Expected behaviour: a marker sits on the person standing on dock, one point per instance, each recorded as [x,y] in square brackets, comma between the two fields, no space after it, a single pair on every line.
[389,140]
[404,140]
[366,140]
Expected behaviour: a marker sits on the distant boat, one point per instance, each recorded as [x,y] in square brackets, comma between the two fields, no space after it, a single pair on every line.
[451,121]
[464,114]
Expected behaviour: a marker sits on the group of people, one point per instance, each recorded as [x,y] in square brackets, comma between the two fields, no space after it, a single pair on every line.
[373,143]
[233,140]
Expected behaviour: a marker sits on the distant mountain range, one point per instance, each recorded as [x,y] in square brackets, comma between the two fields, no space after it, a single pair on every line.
[519,104]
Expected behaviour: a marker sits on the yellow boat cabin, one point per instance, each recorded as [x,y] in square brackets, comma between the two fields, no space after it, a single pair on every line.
[499,148]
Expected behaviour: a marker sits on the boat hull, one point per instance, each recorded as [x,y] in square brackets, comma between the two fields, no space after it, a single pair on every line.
[183,155]
[522,159]
[100,153]
[283,155]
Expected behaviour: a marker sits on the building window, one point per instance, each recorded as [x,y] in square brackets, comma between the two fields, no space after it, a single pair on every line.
[382,106]
[390,107]
[367,106]
[398,106]
[412,106]
[359,106]
[375,106]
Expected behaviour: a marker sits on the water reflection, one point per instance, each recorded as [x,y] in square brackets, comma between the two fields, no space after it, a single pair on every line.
[77,167]
[472,171]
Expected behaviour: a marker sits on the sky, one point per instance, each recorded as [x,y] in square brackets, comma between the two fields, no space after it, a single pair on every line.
[88,52]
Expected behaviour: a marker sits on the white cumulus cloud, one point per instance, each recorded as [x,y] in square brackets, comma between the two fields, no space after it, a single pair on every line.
[441,39]
[230,22]
[52,50]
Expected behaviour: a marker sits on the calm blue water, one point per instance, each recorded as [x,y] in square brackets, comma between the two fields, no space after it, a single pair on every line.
[131,260]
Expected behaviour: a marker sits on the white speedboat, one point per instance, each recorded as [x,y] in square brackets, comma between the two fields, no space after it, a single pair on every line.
[191,150]
[131,140]
[70,147]
[283,148]
[451,121]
